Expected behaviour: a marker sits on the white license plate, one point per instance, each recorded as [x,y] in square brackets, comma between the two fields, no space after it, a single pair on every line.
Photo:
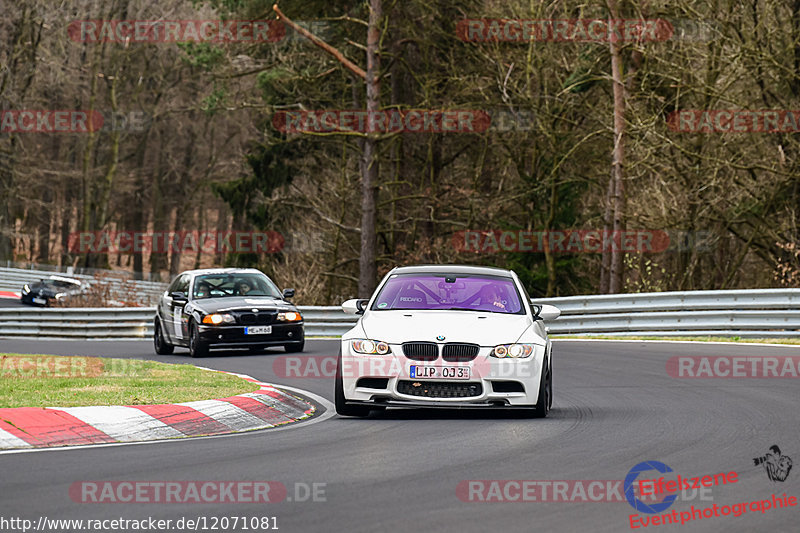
[439,372]
[258,330]
[42,301]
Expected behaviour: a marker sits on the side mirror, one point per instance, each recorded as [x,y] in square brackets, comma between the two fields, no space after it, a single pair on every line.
[178,296]
[546,312]
[288,293]
[355,306]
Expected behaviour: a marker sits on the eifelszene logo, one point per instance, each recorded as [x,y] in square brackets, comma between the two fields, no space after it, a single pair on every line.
[630,480]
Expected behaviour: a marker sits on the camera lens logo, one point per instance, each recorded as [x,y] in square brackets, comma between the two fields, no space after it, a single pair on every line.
[630,482]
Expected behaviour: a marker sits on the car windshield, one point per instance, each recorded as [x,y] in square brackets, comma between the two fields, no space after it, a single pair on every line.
[63,284]
[447,291]
[227,285]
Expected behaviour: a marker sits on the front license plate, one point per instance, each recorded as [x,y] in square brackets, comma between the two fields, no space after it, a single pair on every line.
[41,301]
[439,372]
[258,330]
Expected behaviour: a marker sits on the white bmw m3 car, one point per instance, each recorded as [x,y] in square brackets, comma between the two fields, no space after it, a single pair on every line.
[446,336]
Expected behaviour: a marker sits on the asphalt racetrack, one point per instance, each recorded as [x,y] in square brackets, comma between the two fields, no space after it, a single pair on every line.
[406,470]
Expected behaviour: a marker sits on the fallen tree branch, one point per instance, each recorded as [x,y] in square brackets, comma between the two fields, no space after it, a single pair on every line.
[349,65]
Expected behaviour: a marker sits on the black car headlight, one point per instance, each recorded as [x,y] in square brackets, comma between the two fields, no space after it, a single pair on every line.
[367,346]
[514,351]
[216,319]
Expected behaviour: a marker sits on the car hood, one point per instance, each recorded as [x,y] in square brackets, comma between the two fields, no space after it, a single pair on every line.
[484,329]
[44,289]
[216,305]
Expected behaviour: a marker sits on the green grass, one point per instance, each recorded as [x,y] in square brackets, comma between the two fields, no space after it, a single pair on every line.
[58,381]
[792,341]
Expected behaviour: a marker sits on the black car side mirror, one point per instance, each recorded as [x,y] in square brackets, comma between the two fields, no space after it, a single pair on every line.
[178,296]
[288,293]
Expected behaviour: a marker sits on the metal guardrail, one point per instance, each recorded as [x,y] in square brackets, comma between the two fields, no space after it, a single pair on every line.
[756,313]
[133,322]
[88,323]
[144,292]
[731,300]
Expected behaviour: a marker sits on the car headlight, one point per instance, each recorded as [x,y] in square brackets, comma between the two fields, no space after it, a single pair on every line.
[367,346]
[60,295]
[514,351]
[217,319]
[289,316]
[26,289]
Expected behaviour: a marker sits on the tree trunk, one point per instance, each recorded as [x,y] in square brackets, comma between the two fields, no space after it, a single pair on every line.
[618,160]
[605,266]
[368,264]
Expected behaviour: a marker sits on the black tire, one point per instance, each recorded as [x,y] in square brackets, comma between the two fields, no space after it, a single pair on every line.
[550,403]
[294,348]
[160,344]
[341,407]
[197,347]
[545,399]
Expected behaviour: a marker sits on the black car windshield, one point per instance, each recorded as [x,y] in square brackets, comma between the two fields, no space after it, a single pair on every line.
[62,284]
[227,285]
[493,294]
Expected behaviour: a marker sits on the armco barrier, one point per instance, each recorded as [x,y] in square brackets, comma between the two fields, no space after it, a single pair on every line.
[133,322]
[143,292]
[755,313]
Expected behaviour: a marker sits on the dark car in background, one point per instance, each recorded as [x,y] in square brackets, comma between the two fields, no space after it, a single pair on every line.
[48,290]
[226,308]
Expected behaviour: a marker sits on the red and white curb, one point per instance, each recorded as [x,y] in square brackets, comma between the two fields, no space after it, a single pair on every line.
[46,427]
[6,294]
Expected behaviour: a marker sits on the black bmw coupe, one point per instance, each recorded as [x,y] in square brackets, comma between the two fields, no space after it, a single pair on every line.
[226,308]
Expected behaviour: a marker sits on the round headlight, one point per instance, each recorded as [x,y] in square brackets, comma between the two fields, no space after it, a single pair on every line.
[500,351]
[382,348]
[515,350]
[368,346]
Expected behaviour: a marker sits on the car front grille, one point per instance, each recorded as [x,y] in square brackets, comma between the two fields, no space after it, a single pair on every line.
[262,318]
[439,389]
[421,351]
[453,352]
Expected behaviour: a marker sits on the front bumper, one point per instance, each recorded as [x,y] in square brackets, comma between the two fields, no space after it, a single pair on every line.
[234,336]
[28,299]
[386,381]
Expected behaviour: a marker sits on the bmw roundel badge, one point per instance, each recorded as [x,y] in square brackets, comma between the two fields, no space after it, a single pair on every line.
[440,337]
